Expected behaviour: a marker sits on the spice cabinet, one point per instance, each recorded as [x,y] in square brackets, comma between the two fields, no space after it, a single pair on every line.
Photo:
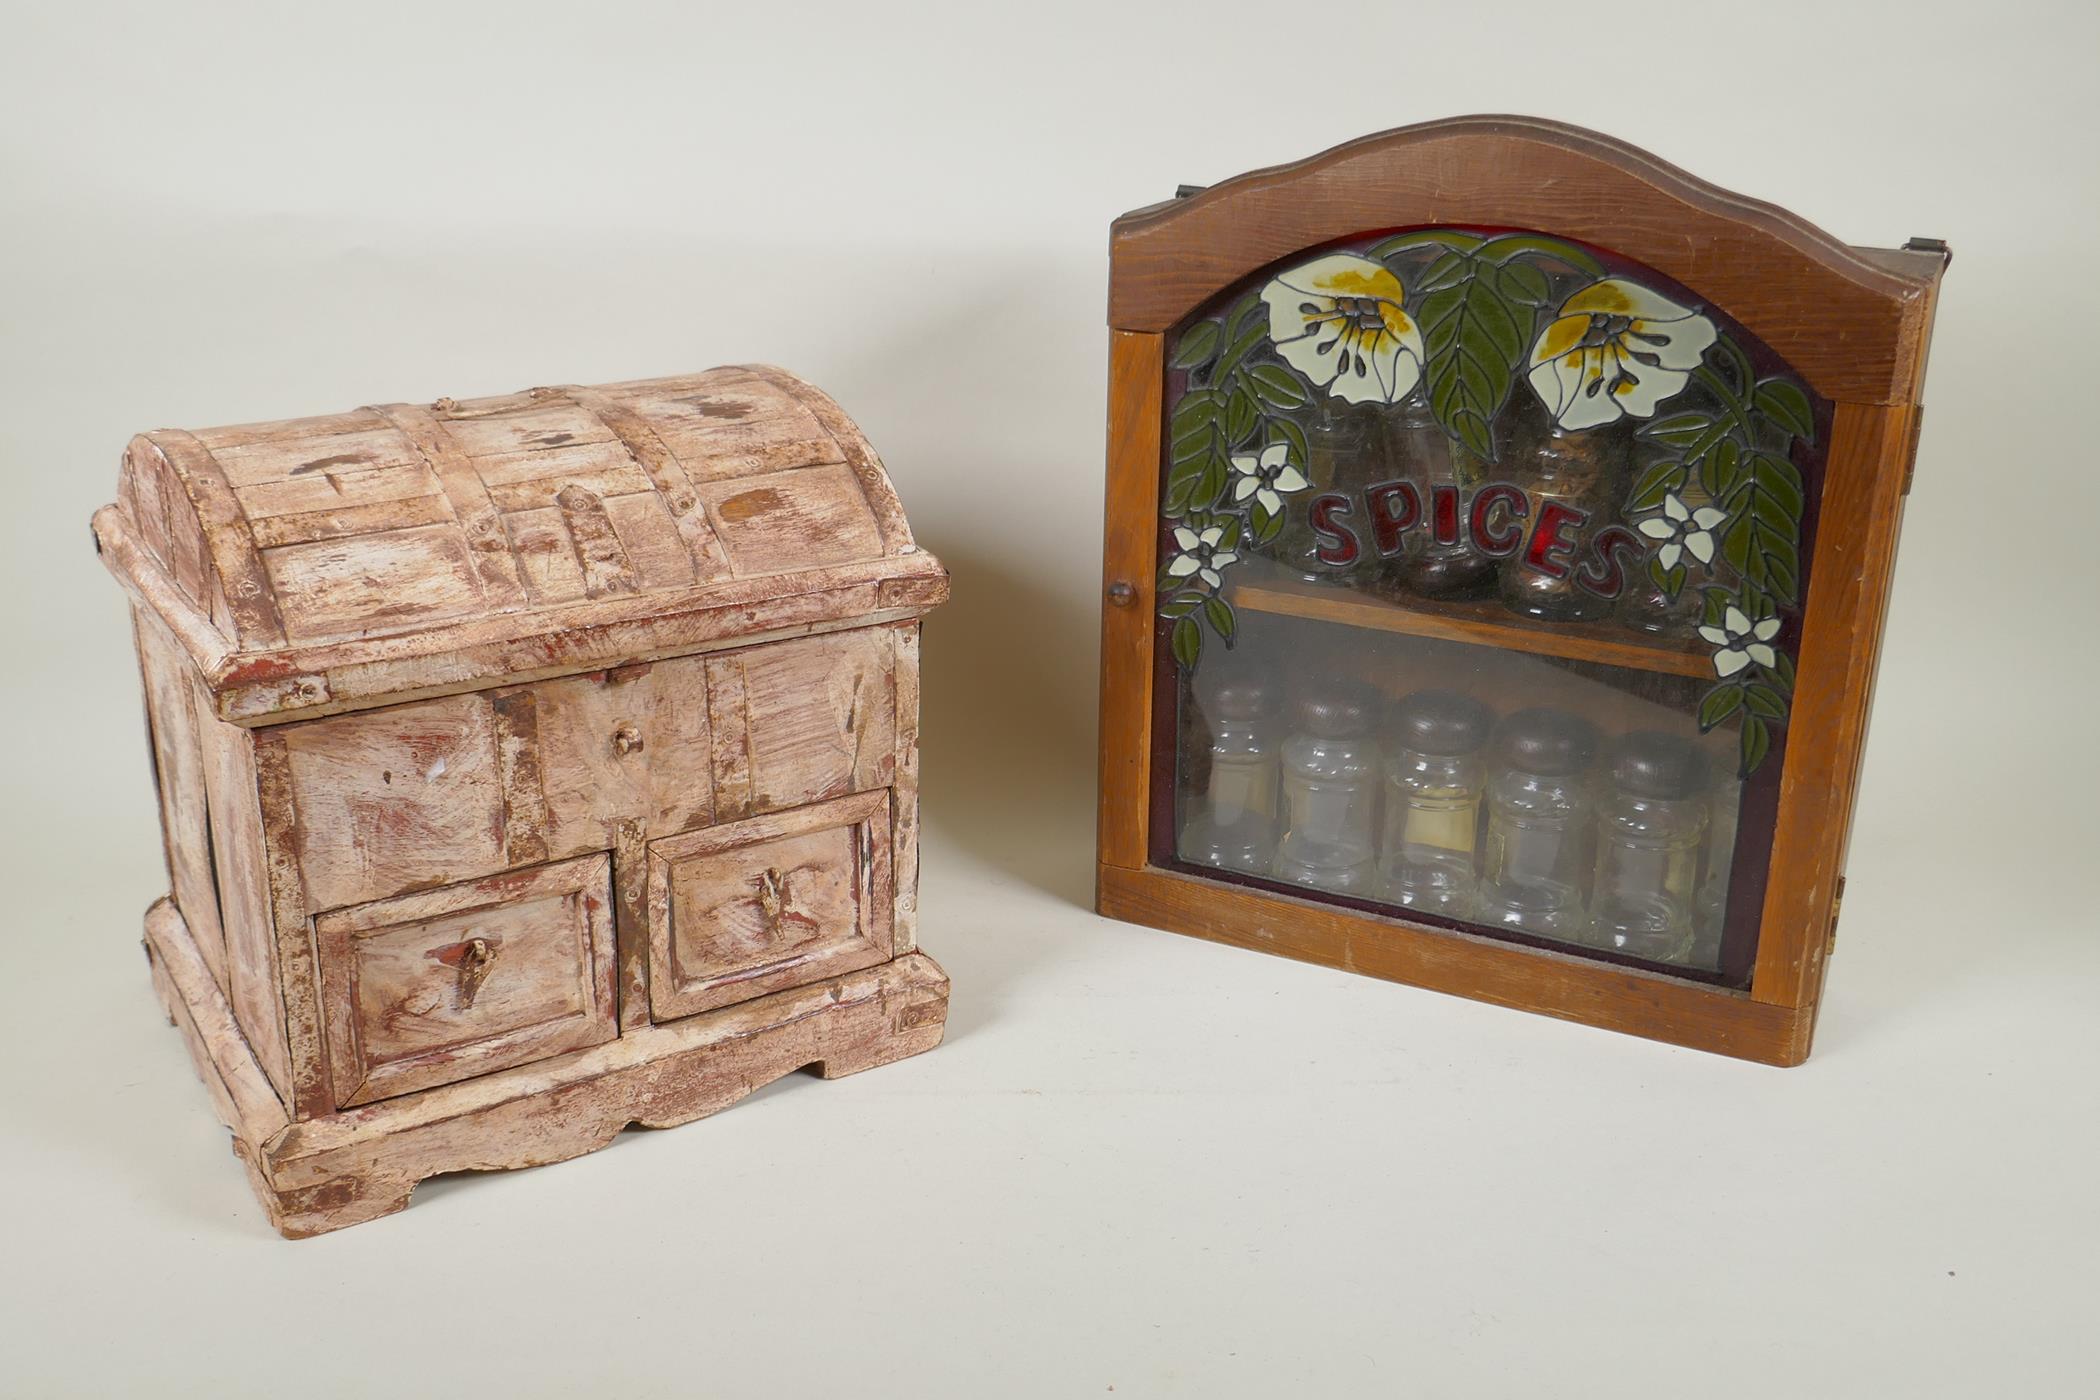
[1499,532]
[528,767]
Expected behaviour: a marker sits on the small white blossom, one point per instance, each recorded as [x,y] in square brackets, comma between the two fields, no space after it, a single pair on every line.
[1683,531]
[1742,640]
[1200,554]
[1264,476]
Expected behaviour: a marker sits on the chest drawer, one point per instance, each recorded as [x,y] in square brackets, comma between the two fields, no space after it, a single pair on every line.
[771,902]
[434,987]
[804,720]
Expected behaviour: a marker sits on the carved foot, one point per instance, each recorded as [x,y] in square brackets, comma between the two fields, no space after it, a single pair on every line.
[915,1028]
[303,1212]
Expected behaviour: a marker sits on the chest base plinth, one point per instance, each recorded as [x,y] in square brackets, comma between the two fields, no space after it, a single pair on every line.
[325,1173]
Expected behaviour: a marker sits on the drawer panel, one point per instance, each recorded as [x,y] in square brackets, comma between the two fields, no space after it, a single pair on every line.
[395,798]
[757,906]
[803,720]
[430,988]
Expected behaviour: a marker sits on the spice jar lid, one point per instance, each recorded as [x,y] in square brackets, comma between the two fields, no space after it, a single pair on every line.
[1240,691]
[1338,709]
[1441,722]
[1344,423]
[1548,741]
[1653,764]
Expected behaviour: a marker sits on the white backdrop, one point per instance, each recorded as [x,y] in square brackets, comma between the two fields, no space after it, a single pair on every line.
[1141,1164]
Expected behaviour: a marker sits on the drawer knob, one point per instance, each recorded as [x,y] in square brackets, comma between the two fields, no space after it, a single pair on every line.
[475,959]
[772,899]
[626,740]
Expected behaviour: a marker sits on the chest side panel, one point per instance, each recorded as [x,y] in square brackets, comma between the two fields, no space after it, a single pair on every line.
[241,860]
[174,730]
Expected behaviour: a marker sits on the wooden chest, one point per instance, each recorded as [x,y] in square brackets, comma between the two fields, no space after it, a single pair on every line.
[528,767]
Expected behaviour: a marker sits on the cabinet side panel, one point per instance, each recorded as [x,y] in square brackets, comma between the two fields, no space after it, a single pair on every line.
[172,718]
[1128,547]
[1840,647]
[243,870]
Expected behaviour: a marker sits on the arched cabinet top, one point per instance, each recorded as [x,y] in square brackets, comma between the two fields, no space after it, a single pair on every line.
[1853,322]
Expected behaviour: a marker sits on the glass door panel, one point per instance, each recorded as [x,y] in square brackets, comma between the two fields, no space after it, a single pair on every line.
[1482,562]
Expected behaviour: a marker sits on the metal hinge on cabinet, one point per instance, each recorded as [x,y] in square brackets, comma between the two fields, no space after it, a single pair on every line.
[1837,904]
[1185,191]
[1917,415]
[1910,458]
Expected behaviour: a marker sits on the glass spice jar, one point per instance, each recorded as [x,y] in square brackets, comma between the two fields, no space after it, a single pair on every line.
[1434,774]
[1446,473]
[1234,824]
[1648,847]
[1345,451]
[1539,805]
[1645,607]
[1583,472]
[1330,775]
[1710,914]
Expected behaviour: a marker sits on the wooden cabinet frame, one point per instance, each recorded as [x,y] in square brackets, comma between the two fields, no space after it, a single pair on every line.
[1853,322]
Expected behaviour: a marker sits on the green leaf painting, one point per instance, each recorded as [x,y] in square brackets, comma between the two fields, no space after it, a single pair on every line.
[1474,341]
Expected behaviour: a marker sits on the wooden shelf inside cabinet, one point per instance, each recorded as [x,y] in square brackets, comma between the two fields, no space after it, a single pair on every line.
[1486,624]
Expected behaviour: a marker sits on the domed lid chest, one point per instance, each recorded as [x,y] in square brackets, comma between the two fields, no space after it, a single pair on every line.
[529,765]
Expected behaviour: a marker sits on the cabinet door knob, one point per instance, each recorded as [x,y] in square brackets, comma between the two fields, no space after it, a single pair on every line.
[626,740]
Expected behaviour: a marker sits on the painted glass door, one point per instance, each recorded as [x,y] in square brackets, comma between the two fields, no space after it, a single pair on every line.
[1483,556]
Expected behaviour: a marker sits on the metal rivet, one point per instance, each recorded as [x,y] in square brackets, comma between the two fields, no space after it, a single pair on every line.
[1121,594]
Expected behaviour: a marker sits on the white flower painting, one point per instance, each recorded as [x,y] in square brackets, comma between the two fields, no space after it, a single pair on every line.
[1267,477]
[1340,320]
[1616,350]
[1682,531]
[1200,555]
[1741,640]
